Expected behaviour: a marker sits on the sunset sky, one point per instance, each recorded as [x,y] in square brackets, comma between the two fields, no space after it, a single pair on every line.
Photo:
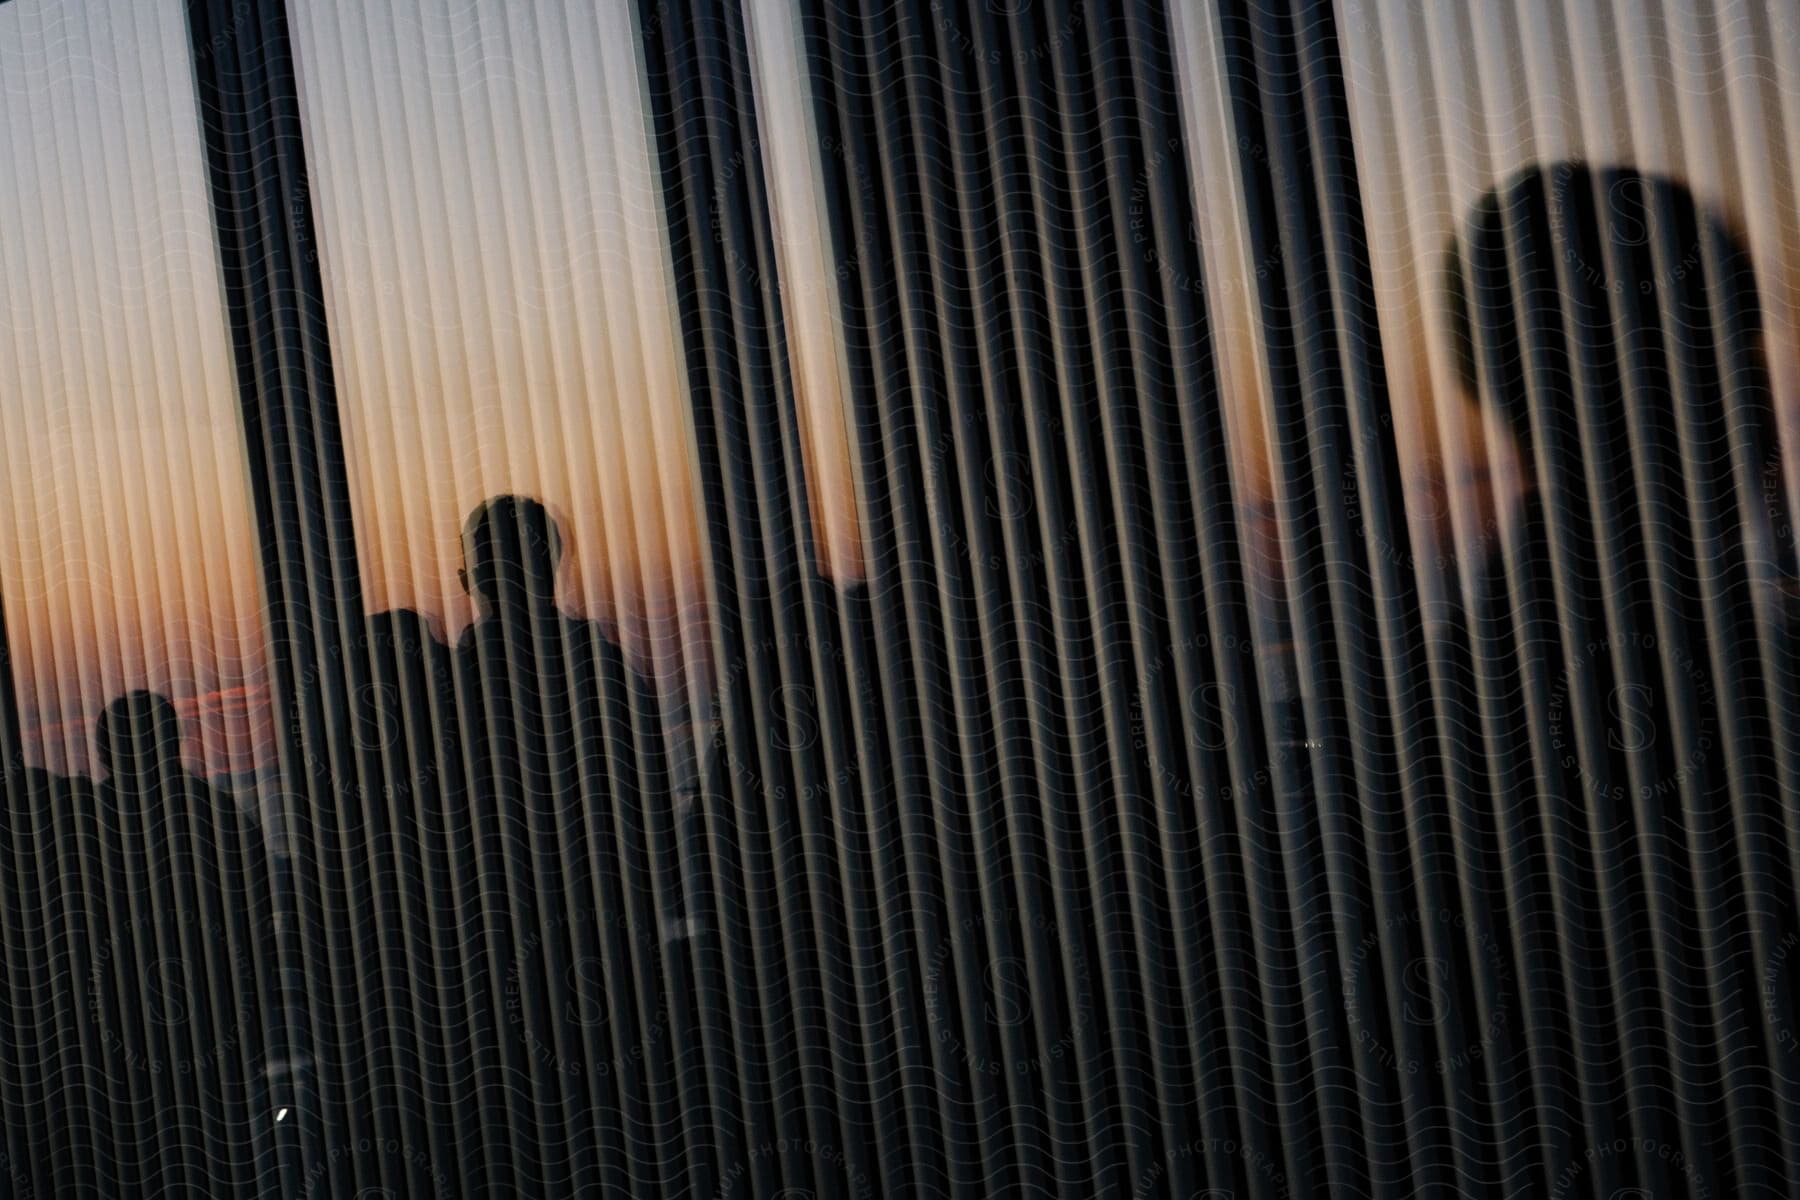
[127,557]
[498,281]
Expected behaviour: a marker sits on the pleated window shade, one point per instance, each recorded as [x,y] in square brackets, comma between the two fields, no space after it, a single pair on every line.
[1000,598]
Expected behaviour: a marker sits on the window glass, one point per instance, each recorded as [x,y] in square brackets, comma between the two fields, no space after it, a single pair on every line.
[128,553]
[497,277]
[811,278]
[1656,87]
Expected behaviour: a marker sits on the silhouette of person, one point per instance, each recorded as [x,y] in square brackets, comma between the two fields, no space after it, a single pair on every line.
[416,843]
[1610,327]
[557,683]
[412,721]
[187,939]
[62,1114]
[415,728]
[522,651]
[562,734]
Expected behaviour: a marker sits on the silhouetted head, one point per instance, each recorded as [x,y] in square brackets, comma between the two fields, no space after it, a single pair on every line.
[511,550]
[1569,272]
[407,662]
[138,738]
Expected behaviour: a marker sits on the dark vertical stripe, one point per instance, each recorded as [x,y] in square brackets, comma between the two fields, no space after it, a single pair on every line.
[268,253]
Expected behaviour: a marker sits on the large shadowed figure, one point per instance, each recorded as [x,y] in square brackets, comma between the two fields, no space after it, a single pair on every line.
[178,906]
[530,675]
[564,741]
[1618,638]
[416,846]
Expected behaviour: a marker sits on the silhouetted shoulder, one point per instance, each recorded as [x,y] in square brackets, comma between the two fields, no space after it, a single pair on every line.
[587,640]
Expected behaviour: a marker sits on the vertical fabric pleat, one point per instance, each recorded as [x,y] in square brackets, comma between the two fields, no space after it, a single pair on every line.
[783,599]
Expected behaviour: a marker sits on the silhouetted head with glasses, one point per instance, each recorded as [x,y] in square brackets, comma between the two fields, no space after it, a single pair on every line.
[1613,325]
[1609,287]
[512,548]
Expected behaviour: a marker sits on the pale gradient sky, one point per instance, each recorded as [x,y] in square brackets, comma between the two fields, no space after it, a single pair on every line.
[127,555]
